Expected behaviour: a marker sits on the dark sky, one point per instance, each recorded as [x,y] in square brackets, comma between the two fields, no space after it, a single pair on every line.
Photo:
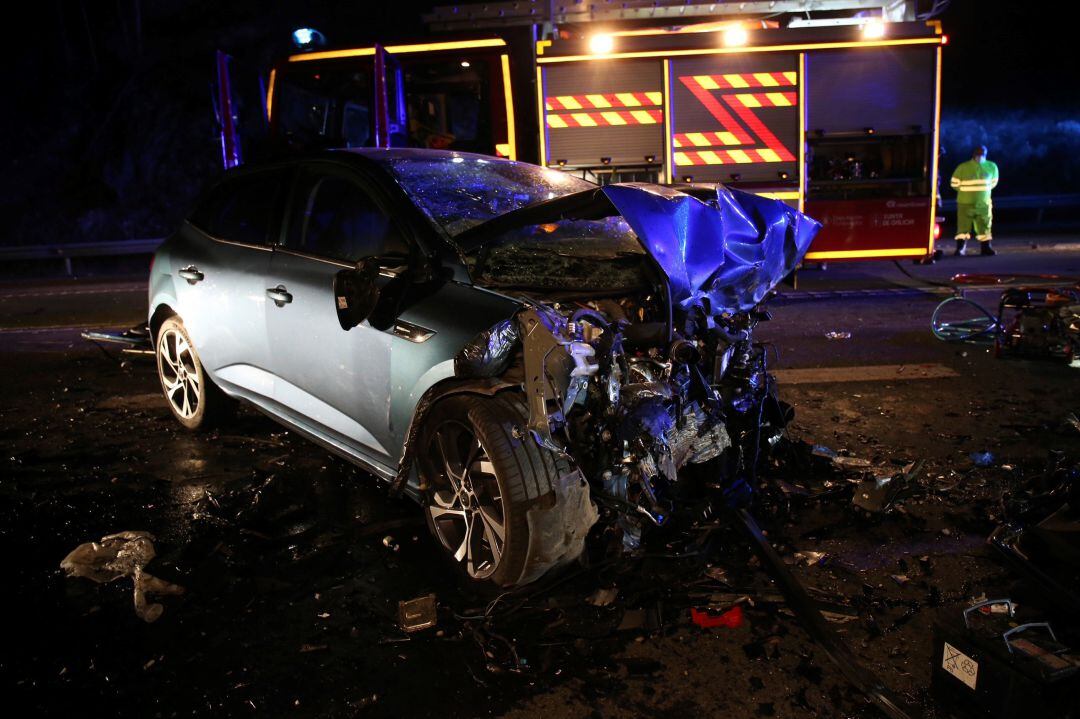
[1014,55]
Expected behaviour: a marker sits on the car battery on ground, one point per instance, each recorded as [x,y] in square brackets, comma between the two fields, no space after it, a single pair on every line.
[984,664]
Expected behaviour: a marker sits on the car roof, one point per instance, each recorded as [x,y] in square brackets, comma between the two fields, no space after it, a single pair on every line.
[412,153]
[366,155]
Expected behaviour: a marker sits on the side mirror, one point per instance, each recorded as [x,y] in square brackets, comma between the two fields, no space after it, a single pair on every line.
[356,293]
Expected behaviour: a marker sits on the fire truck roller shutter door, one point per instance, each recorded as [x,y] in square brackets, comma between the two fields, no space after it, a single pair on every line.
[604,109]
[735,115]
[888,89]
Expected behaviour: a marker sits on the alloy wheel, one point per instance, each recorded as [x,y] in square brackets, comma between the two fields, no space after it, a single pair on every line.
[179,373]
[465,502]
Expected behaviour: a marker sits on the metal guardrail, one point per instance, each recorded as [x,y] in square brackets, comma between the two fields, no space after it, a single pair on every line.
[79,249]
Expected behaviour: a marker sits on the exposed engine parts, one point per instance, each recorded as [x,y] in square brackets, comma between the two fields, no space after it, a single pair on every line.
[632,415]
[658,395]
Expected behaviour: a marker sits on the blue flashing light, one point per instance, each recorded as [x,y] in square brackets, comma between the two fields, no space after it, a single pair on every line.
[307,38]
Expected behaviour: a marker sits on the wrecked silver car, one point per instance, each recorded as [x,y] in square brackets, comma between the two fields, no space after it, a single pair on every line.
[520,351]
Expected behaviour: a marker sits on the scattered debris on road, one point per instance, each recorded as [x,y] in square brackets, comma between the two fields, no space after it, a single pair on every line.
[419,613]
[119,555]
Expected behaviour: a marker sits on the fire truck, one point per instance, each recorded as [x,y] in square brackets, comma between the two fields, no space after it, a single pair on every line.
[830,105]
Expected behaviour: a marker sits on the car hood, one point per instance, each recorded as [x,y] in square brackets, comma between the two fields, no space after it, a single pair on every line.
[720,249]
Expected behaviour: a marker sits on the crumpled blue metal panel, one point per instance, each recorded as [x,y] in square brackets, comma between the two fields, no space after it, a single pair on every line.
[731,250]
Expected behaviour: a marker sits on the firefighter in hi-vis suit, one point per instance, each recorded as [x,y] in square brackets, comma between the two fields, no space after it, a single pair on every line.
[973,180]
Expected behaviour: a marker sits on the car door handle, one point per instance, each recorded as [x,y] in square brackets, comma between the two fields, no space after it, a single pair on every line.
[279,295]
[191,274]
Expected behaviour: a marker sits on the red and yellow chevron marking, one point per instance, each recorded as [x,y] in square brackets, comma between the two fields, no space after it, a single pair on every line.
[726,157]
[747,79]
[739,103]
[742,104]
[608,118]
[704,139]
[765,99]
[603,101]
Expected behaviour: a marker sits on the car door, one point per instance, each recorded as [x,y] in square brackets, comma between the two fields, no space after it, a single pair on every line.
[222,277]
[335,382]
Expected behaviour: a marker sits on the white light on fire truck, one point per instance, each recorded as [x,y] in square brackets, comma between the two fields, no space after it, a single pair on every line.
[736,36]
[601,44]
[873,29]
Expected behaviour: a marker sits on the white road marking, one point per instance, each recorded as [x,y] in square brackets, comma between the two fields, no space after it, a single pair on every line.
[866,373]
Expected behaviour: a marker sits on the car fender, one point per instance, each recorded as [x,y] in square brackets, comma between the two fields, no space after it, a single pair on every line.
[446,387]
[161,287]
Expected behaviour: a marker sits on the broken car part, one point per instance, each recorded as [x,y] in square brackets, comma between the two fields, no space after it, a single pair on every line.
[419,613]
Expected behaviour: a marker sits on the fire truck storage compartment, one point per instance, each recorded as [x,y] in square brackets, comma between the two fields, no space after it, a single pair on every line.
[869,131]
[870,119]
[735,118]
[604,113]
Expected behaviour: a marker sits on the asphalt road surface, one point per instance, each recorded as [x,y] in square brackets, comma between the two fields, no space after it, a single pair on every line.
[293,563]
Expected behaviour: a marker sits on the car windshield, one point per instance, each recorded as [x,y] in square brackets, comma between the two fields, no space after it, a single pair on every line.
[461,191]
[587,255]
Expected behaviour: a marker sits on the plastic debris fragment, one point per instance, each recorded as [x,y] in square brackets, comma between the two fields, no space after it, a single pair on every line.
[119,555]
[731,619]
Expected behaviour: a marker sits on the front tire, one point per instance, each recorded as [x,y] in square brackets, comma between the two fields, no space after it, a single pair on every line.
[195,401]
[487,487]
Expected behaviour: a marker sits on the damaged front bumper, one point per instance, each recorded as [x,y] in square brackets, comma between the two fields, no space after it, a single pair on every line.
[632,395]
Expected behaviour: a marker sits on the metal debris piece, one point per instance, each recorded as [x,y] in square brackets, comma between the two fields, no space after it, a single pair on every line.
[851,463]
[603,597]
[838,617]
[837,335]
[879,493]
[810,558]
[419,613]
[119,555]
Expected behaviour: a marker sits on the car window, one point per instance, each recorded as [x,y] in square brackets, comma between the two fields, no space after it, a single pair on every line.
[334,217]
[242,209]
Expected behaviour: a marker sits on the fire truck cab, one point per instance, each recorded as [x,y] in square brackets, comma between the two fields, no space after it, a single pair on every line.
[832,106]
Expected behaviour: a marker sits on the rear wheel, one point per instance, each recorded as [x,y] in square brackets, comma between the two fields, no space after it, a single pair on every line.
[488,487]
[193,398]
